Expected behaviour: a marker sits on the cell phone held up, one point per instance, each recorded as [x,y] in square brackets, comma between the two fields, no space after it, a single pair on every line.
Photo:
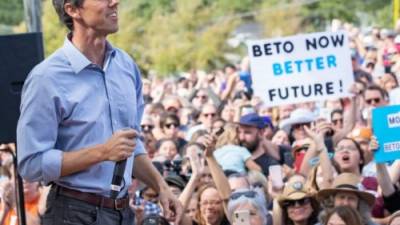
[241,217]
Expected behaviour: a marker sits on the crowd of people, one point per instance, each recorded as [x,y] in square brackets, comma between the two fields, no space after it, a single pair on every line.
[230,159]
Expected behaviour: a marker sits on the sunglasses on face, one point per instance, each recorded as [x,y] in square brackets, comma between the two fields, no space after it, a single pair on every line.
[170,125]
[376,100]
[337,121]
[301,125]
[300,202]
[201,96]
[147,127]
[209,115]
[247,194]
[257,185]
[172,109]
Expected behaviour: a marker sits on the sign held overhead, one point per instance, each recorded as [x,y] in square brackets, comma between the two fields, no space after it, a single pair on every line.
[301,68]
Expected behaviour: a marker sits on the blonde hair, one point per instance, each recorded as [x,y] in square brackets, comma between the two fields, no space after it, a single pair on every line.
[229,136]
[311,182]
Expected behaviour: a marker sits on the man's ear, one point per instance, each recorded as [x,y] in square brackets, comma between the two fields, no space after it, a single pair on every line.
[72,10]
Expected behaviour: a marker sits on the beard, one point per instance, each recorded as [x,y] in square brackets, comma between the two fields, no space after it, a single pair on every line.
[251,146]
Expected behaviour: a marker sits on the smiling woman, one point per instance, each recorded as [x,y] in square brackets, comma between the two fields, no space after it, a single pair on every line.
[211,211]
[299,207]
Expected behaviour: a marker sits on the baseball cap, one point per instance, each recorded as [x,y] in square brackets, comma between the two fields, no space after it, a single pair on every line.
[253,120]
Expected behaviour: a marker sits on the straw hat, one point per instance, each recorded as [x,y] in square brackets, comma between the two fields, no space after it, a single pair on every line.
[347,182]
[293,191]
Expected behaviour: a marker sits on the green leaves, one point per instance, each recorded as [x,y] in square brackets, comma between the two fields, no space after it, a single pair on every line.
[171,36]
[11,12]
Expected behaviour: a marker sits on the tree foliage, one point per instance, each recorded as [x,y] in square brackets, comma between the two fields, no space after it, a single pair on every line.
[11,12]
[166,36]
[170,36]
[319,14]
[280,18]
[53,31]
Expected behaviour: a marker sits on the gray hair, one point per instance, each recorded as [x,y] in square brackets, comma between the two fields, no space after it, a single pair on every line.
[257,202]
[64,17]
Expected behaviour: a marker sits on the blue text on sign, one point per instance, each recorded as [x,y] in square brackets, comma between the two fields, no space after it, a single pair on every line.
[305,65]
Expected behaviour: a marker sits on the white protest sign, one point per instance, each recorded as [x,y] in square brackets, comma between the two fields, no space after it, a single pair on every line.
[301,68]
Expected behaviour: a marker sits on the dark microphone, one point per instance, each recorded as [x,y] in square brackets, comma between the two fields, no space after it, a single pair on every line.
[118,176]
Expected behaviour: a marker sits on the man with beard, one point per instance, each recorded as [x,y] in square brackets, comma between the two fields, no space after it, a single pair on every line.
[251,136]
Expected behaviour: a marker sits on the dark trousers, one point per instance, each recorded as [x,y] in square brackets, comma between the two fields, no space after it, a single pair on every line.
[66,210]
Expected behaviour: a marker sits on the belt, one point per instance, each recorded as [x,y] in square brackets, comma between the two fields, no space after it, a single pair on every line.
[94,199]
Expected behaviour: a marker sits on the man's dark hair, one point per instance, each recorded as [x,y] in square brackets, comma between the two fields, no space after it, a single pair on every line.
[64,17]
[170,117]
[231,66]
[336,111]
[374,87]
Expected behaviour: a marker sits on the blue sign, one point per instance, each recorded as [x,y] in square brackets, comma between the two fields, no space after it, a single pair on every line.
[386,126]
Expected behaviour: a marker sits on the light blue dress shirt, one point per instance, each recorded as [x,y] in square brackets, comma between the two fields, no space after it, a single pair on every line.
[69,103]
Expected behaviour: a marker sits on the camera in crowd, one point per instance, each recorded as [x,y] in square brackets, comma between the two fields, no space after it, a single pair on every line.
[172,167]
[155,219]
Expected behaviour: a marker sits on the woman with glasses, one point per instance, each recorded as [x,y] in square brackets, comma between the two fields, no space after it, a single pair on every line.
[211,207]
[249,202]
[299,207]
[170,125]
[348,156]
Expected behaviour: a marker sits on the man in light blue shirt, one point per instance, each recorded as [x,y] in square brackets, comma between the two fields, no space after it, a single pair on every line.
[80,113]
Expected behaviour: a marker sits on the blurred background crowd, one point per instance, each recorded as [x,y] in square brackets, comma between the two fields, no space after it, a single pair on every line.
[231,159]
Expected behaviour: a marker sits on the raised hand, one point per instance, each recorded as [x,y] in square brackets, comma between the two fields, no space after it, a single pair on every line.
[173,210]
[373,144]
[209,143]
[195,162]
[318,133]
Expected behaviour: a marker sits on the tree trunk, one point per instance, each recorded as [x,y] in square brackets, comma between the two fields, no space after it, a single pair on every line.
[33,12]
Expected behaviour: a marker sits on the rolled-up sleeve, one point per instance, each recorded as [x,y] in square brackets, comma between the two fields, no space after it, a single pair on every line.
[38,160]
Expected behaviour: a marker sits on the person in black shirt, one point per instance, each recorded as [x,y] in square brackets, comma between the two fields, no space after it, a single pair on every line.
[251,136]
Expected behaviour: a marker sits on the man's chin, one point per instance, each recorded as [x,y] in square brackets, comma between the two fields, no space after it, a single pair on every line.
[249,147]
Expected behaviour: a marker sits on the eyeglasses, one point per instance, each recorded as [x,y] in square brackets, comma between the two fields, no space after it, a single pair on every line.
[202,96]
[191,210]
[169,125]
[300,202]
[209,115]
[211,202]
[300,125]
[337,121]
[247,194]
[343,148]
[172,109]
[257,185]
[147,127]
[376,100]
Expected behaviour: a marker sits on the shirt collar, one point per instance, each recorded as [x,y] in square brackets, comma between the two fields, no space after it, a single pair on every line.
[77,59]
